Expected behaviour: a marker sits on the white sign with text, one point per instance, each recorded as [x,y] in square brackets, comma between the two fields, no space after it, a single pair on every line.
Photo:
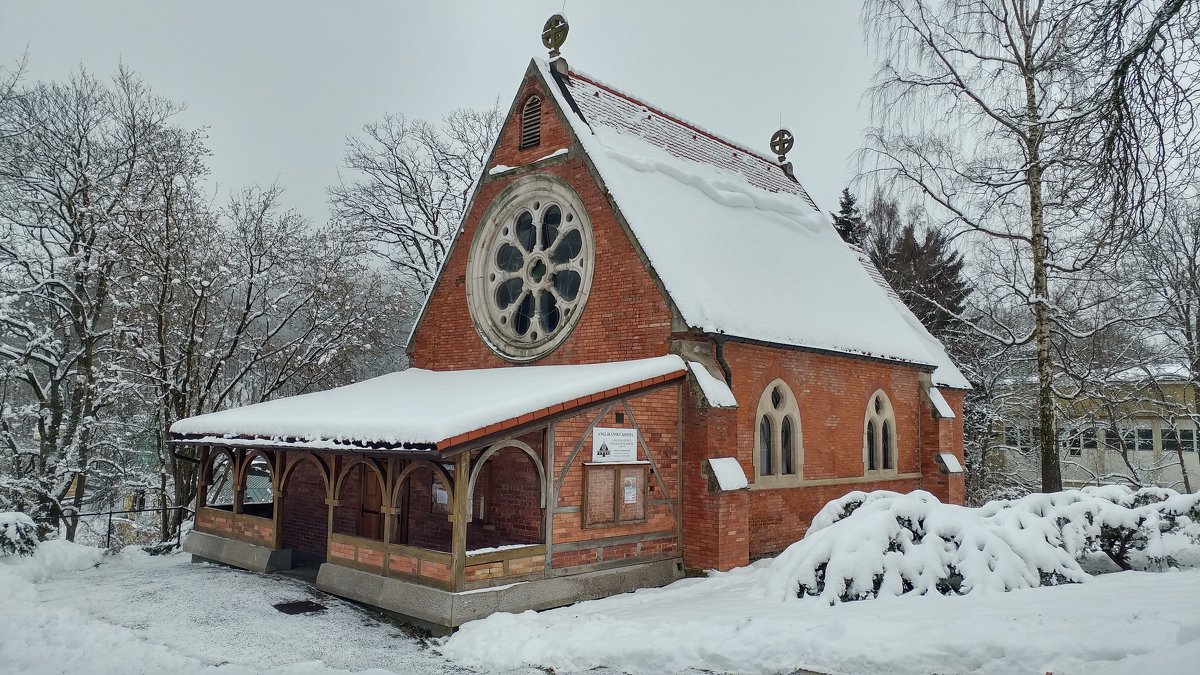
[614,445]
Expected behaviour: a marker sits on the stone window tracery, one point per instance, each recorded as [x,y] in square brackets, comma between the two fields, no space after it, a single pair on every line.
[531,267]
[879,435]
[778,448]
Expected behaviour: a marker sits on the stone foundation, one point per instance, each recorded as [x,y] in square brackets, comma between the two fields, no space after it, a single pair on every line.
[242,554]
[442,611]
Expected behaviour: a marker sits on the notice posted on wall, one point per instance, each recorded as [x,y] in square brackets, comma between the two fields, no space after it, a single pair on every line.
[630,486]
[614,445]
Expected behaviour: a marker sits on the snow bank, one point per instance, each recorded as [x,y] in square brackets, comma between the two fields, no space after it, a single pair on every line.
[51,559]
[724,624]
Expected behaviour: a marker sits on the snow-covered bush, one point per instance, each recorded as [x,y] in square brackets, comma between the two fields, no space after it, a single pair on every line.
[18,534]
[1112,519]
[869,544]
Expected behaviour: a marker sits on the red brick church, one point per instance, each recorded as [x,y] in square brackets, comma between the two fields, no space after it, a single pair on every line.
[647,351]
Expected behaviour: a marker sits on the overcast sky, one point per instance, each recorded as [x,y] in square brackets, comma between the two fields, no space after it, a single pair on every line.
[280,85]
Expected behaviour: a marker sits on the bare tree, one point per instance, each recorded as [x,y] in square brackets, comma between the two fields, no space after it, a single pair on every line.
[409,182]
[242,305]
[1047,131]
[70,183]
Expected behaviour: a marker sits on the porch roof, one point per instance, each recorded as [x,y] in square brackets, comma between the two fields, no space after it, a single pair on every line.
[425,408]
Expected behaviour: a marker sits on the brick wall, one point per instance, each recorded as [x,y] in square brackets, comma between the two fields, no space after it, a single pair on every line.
[510,502]
[427,528]
[715,524]
[305,515]
[656,415]
[938,436]
[832,393]
[626,316]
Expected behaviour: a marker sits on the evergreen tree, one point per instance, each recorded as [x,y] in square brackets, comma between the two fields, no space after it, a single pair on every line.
[921,265]
[849,221]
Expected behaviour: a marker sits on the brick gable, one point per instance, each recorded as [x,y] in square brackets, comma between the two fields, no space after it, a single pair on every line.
[626,316]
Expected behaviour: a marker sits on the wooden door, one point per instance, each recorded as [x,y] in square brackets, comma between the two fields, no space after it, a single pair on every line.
[370,522]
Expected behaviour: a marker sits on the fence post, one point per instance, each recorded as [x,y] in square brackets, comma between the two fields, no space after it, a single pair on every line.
[108,536]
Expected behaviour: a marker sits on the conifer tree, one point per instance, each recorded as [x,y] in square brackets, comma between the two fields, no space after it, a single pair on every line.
[849,221]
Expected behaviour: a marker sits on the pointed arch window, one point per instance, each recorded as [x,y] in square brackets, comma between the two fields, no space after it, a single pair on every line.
[879,435]
[778,450]
[531,122]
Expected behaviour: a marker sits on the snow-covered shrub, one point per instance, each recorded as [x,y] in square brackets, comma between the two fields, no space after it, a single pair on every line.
[18,534]
[865,545]
[1112,519]
[891,544]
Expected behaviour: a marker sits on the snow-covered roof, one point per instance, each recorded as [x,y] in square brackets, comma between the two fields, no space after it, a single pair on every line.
[740,247]
[424,407]
[945,373]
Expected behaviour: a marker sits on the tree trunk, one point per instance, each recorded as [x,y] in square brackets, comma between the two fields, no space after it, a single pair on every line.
[1051,468]
[1048,440]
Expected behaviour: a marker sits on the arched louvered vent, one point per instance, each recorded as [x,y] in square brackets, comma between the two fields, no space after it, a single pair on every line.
[531,122]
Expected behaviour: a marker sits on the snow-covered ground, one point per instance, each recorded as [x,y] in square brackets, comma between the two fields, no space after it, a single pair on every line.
[73,610]
[133,613]
[1114,623]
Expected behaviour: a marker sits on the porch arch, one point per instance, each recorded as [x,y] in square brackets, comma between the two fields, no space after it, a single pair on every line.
[341,480]
[519,445]
[301,458]
[416,465]
[214,456]
[303,518]
[252,503]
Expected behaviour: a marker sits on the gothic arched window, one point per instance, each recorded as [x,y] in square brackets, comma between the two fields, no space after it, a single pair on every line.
[879,435]
[778,448]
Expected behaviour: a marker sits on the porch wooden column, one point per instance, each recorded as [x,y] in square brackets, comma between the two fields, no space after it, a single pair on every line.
[239,465]
[330,492]
[458,517]
[278,462]
[202,479]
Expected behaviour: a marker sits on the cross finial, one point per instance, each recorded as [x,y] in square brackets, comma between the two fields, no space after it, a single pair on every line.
[781,142]
[554,34]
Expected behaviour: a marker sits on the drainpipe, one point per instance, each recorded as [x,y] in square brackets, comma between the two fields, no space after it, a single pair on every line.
[719,340]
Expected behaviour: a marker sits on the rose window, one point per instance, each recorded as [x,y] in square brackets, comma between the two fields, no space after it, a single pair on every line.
[531,269]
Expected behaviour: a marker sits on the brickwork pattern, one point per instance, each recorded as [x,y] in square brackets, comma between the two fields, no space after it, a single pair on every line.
[626,313]
[832,393]
[656,415]
[511,503]
[305,515]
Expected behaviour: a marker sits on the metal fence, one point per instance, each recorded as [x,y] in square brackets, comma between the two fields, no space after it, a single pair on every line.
[108,534]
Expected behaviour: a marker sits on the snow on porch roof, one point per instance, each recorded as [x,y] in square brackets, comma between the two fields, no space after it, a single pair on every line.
[417,407]
[740,247]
